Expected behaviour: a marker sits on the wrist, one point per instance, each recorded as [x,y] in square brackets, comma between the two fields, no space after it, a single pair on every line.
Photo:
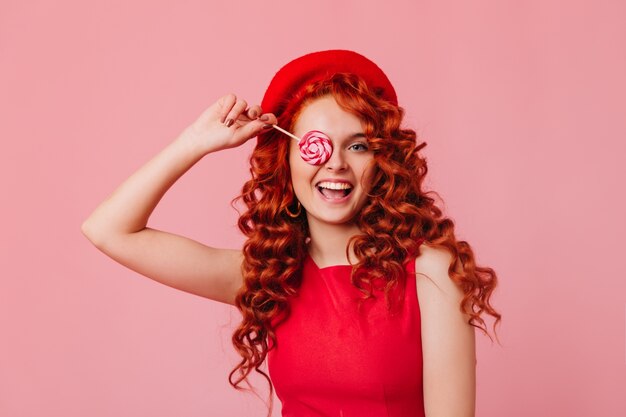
[195,144]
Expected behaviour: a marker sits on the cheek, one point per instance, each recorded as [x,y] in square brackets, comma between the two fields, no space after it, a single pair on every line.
[294,155]
[368,170]
[293,163]
[301,172]
[294,166]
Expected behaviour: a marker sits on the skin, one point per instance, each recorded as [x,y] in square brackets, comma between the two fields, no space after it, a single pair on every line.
[330,224]
[118,228]
[448,341]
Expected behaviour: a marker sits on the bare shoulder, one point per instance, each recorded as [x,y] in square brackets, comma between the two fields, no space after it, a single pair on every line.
[431,269]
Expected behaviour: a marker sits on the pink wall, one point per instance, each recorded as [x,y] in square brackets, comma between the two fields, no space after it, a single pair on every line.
[521,103]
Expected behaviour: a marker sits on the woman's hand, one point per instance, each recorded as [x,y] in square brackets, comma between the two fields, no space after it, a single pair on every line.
[228,123]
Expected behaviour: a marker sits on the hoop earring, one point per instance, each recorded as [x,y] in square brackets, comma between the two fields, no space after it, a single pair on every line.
[294,215]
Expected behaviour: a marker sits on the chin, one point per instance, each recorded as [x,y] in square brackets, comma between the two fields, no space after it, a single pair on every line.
[337,221]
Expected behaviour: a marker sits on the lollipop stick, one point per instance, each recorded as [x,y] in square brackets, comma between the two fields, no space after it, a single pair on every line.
[286,133]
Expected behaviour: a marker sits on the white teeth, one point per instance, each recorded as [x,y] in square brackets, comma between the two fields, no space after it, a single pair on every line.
[334,185]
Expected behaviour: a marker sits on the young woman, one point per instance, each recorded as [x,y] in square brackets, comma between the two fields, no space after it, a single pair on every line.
[350,282]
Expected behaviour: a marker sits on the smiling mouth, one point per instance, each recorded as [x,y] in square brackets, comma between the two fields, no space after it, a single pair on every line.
[334,190]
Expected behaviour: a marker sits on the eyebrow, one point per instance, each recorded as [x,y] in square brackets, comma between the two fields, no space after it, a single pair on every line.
[357,135]
[353,136]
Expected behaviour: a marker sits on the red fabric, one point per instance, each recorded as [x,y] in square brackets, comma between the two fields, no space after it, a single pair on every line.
[308,68]
[330,360]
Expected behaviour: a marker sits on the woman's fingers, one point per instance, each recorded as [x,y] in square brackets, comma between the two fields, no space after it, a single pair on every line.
[239,107]
[235,109]
[251,129]
[228,123]
[254,111]
[268,118]
[226,104]
[243,122]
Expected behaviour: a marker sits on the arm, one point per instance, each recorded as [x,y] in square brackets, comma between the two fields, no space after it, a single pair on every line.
[118,226]
[448,344]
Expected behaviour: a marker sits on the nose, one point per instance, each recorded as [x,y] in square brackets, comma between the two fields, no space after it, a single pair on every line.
[337,161]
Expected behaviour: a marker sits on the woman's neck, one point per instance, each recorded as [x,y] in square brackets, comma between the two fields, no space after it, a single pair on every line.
[329,241]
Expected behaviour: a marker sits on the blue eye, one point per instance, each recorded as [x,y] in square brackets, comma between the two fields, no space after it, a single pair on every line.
[360,147]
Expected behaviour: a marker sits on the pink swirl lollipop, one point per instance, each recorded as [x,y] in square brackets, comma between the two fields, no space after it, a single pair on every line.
[315,147]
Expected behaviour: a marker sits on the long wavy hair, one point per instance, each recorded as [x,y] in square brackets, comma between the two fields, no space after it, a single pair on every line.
[397,217]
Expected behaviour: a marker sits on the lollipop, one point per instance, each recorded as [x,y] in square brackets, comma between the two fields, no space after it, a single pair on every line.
[315,147]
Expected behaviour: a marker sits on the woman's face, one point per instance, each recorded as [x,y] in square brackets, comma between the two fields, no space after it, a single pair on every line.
[335,191]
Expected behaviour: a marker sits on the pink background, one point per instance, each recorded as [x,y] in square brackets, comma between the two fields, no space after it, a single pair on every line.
[523,108]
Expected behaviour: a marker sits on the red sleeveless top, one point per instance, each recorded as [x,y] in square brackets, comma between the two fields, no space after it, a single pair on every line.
[331,360]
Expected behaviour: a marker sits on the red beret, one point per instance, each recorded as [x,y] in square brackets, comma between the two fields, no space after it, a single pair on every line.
[300,72]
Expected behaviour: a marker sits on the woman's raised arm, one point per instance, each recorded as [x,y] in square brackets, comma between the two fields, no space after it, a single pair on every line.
[118,228]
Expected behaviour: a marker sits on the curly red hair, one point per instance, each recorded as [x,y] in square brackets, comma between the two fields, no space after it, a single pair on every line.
[396,218]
